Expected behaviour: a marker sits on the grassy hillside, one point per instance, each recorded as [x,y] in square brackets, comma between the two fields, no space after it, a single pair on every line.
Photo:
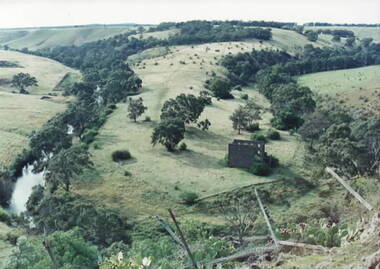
[361,32]
[292,42]
[48,72]
[159,177]
[46,38]
[359,87]
[19,116]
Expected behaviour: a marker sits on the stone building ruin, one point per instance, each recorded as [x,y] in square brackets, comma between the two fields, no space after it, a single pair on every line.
[242,153]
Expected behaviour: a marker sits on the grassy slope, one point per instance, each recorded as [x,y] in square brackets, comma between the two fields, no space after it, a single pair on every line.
[361,32]
[155,172]
[21,114]
[45,38]
[48,72]
[359,87]
[293,42]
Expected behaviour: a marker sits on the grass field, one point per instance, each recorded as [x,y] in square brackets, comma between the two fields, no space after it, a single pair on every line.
[19,116]
[48,72]
[361,32]
[358,87]
[34,39]
[159,177]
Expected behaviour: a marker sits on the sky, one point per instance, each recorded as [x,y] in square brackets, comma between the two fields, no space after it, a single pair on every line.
[31,13]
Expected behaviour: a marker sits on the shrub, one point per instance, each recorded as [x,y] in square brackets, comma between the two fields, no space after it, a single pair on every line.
[147,119]
[89,136]
[224,162]
[112,106]
[221,88]
[272,161]
[189,198]
[96,146]
[4,216]
[258,137]
[260,168]
[273,134]
[253,127]
[121,155]
[183,146]
[127,173]
[244,96]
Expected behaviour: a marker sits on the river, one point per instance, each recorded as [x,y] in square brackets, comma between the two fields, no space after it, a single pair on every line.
[23,189]
[24,185]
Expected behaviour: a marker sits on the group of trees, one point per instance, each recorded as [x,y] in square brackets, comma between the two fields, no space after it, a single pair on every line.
[63,211]
[196,32]
[344,139]
[175,113]
[273,71]
[243,67]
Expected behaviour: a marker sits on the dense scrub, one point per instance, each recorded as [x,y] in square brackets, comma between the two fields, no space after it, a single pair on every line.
[63,211]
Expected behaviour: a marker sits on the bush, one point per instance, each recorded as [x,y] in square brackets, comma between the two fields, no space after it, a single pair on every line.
[272,161]
[260,168]
[273,134]
[244,96]
[89,136]
[147,119]
[4,216]
[96,146]
[112,106]
[253,127]
[127,173]
[221,88]
[183,146]
[258,137]
[121,155]
[189,198]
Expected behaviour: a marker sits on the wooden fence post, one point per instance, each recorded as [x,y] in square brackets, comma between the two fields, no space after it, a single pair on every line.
[183,239]
[266,218]
[348,187]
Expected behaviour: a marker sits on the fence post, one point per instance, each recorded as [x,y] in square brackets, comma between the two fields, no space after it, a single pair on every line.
[183,239]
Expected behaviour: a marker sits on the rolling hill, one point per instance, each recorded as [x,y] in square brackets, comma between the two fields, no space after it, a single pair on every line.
[360,32]
[34,39]
[47,72]
[22,114]
[154,181]
[358,87]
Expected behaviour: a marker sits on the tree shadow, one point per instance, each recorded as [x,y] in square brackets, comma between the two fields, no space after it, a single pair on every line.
[207,139]
[196,159]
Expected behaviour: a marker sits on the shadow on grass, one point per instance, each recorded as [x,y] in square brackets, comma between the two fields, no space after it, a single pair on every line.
[207,139]
[196,159]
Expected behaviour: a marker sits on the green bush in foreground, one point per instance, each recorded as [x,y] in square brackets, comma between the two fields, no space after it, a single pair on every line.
[261,168]
[121,155]
[189,198]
